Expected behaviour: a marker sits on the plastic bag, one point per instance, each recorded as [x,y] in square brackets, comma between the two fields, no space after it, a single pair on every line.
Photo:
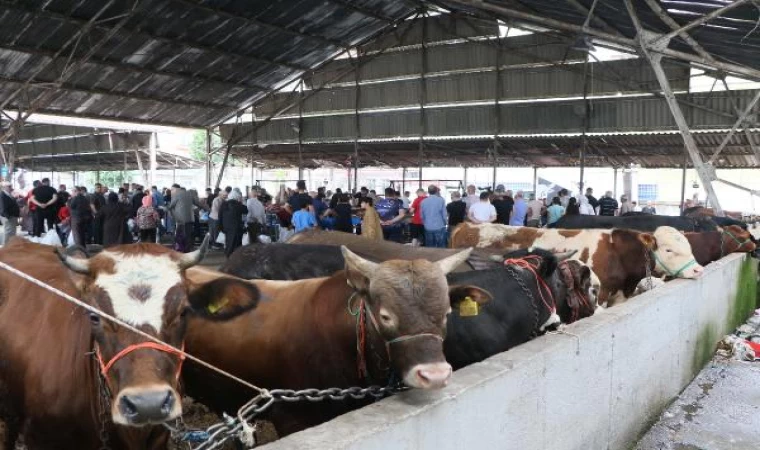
[285,234]
[246,239]
[70,240]
[220,238]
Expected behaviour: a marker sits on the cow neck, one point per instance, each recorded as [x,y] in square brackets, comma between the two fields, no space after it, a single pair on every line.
[573,297]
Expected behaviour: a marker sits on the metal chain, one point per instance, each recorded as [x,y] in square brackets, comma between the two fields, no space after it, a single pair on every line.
[516,275]
[215,436]
[648,271]
[104,403]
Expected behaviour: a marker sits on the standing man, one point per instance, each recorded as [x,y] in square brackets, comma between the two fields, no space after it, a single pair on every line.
[181,209]
[213,216]
[44,197]
[503,203]
[299,197]
[391,212]
[535,210]
[81,216]
[625,205]
[519,211]
[406,201]
[608,206]
[9,212]
[457,210]
[471,198]
[257,216]
[483,211]
[97,202]
[591,199]
[416,228]
[433,214]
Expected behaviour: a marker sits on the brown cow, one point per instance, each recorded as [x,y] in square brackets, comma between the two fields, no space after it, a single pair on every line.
[618,257]
[72,380]
[305,336]
[711,246]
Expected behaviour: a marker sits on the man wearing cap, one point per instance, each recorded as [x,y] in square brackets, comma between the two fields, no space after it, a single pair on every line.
[503,203]
[9,212]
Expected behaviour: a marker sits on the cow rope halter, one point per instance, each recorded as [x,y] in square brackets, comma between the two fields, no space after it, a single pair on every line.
[215,436]
[362,312]
[739,243]
[666,269]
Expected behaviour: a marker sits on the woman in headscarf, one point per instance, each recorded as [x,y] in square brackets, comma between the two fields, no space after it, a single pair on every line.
[231,222]
[585,207]
[147,220]
[115,215]
[572,207]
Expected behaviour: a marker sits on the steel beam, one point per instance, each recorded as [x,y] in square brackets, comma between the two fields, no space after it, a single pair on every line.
[423,97]
[737,69]
[742,117]
[747,132]
[662,14]
[706,172]
[357,122]
[702,20]
[683,181]
[209,163]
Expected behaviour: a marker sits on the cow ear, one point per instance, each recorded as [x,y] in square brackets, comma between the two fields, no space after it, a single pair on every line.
[358,269]
[648,240]
[223,298]
[459,293]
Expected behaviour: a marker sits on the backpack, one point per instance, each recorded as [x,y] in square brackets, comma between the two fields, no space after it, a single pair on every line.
[146,218]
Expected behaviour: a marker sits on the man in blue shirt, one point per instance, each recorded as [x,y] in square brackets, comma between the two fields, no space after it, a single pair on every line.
[391,212]
[433,214]
[303,219]
[519,210]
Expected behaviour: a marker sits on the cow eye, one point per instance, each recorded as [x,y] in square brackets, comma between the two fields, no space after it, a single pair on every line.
[385,317]
[668,250]
[95,319]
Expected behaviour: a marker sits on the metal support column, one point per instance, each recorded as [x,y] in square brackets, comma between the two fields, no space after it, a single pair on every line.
[224,163]
[403,179]
[300,131]
[614,182]
[496,111]
[357,123]
[584,126]
[465,180]
[209,163]
[423,97]
[14,148]
[683,180]
[535,181]
[153,163]
[706,172]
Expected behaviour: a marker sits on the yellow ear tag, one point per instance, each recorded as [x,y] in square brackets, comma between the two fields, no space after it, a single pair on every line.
[214,307]
[468,307]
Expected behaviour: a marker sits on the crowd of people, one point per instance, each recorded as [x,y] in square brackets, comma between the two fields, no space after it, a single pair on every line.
[132,213]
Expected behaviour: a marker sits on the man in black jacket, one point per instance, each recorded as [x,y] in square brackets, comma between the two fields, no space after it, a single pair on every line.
[81,216]
[9,212]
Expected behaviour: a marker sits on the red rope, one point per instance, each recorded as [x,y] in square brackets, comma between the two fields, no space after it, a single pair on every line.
[531,263]
[361,338]
[105,367]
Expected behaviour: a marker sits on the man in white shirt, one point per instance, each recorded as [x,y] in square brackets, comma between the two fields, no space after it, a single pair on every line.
[471,198]
[483,211]
[535,209]
[257,216]
[213,216]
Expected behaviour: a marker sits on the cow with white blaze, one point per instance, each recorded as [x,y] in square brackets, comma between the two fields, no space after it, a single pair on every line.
[71,379]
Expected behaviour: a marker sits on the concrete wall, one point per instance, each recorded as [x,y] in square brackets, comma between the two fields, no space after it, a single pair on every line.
[598,388]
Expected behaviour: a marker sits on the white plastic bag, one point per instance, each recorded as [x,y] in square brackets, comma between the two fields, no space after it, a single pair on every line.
[246,239]
[70,240]
[285,234]
[220,238]
[51,238]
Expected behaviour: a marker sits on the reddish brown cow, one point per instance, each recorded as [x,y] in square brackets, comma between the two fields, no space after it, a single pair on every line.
[305,336]
[70,379]
[618,257]
[713,245]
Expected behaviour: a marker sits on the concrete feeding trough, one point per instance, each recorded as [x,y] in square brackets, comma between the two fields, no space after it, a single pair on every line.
[599,386]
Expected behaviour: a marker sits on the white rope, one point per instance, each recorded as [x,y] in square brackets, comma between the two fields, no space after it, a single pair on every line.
[117,321]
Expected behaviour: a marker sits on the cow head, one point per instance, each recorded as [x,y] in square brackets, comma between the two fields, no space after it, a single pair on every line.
[671,253]
[736,239]
[144,285]
[410,300]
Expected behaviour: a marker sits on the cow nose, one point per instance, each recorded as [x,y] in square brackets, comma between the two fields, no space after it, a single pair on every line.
[698,270]
[148,406]
[432,376]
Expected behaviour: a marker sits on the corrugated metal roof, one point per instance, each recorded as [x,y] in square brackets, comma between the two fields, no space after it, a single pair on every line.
[649,150]
[176,62]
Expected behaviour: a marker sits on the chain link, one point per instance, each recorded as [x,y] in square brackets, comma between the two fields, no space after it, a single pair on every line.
[648,270]
[215,436]
[516,275]
[104,403]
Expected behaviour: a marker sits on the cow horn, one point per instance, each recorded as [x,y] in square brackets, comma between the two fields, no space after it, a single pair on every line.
[565,255]
[190,259]
[356,262]
[78,265]
[452,262]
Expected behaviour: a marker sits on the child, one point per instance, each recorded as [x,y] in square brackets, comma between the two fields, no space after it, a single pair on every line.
[303,219]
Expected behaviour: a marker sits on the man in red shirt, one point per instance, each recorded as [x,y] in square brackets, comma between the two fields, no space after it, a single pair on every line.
[417,229]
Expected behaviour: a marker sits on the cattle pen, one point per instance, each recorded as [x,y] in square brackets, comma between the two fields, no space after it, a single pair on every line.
[599,384]
[357,329]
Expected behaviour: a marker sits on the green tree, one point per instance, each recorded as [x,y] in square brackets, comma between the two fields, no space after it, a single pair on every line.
[198,146]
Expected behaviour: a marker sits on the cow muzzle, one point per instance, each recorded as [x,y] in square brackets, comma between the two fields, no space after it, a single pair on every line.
[146,406]
[429,376]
